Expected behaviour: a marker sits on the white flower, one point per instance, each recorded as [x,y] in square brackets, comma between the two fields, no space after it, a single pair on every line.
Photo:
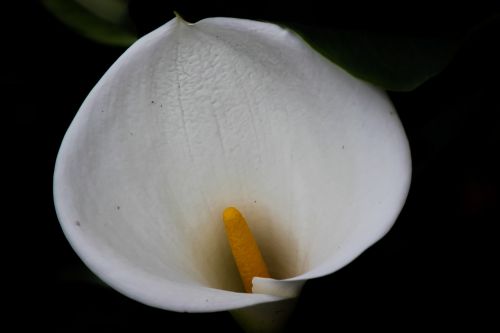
[194,118]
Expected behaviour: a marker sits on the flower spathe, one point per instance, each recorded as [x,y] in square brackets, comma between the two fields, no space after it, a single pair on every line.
[194,118]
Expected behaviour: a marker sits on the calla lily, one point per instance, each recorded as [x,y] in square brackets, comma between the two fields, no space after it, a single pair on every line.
[194,118]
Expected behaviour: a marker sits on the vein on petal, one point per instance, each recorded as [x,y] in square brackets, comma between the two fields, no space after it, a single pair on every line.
[219,132]
[178,67]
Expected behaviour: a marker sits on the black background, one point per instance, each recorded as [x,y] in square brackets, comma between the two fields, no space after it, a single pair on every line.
[435,268]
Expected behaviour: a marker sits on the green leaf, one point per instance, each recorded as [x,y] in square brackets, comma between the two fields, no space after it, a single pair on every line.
[397,62]
[105,22]
[114,11]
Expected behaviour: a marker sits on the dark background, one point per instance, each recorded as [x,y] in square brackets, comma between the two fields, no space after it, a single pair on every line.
[434,270]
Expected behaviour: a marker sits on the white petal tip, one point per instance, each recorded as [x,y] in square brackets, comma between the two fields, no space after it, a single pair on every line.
[180,19]
[285,289]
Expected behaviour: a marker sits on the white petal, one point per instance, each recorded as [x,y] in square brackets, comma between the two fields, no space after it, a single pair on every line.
[226,112]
